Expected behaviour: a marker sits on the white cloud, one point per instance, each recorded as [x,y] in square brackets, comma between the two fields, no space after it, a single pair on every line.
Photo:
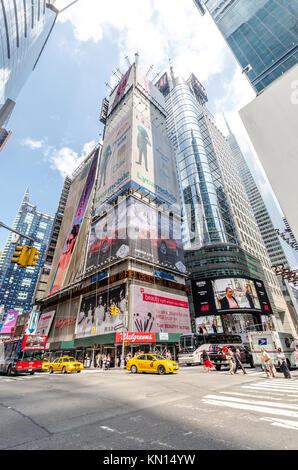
[65,160]
[33,144]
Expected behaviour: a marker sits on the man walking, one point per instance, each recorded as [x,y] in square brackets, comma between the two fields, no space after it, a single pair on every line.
[238,362]
[283,364]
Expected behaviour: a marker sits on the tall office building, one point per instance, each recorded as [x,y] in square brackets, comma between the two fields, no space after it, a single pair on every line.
[220,232]
[119,245]
[25,27]
[17,285]
[279,252]
[262,34]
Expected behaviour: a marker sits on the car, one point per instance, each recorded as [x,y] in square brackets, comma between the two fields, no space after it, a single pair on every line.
[45,364]
[218,357]
[151,363]
[65,364]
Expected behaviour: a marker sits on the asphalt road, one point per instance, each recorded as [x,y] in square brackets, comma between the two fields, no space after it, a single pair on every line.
[109,410]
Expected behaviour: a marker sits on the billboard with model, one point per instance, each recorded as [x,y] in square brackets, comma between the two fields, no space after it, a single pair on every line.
[158,311]
[95,317]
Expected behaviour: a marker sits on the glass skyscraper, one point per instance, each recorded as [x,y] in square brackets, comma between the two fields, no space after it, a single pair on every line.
[17,285]
[261,33]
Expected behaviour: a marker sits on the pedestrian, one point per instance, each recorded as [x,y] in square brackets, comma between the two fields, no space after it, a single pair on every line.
[238,362]
[104,361]
[231,360]
[283,364]
[108,361]
[267,363]
[98,360]
[296,355]
[207,364]
[169,355]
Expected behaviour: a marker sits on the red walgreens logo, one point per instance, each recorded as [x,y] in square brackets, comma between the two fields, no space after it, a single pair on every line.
[136,337]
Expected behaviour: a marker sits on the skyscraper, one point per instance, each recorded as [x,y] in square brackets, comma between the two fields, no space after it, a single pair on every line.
[25,28]
[120,247]
[17,285]
[220,232]
[278,251]
[262,34]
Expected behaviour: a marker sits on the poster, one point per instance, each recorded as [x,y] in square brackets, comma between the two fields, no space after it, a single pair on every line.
[95,317]
[75,228]
[158,311]
[44,323]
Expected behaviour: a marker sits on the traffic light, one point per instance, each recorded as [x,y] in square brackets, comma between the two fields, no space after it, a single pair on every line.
[20,256]
[33,256]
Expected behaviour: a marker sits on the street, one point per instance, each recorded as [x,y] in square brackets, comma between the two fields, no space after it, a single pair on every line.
[117,410]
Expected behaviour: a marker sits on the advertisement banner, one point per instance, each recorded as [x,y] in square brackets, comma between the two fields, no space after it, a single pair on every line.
[158,311]
[44,323]
[114,169]
[95,317]
[133,228]
[34,342]
[153,164]
[136,337]
[235,293]
[75,228]
[9,321]
[121,89]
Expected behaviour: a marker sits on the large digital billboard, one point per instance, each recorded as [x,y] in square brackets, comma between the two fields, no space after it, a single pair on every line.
[228,295]
[73,233]
[158,311]
[133,228]
[95,317]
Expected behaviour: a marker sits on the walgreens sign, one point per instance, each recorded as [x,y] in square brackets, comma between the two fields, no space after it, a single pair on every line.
[136,337]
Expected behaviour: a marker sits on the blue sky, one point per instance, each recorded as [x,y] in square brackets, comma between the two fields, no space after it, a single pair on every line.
[55,121]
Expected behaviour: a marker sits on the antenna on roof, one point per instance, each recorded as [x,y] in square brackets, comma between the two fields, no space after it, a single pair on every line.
[109,86]
[156,76]
[149,70]
[127,60]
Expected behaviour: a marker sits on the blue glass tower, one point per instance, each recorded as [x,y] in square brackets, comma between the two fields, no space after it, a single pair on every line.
[261,33]
[17,285]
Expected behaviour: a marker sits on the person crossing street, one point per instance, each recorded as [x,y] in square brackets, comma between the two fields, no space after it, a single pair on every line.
[238,362]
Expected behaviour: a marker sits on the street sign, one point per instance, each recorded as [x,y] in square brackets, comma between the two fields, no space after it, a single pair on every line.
[33,321]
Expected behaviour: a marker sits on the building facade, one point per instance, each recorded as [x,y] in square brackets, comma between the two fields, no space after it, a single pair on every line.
[17,285]
[220,232]
[125,251]
[262,35]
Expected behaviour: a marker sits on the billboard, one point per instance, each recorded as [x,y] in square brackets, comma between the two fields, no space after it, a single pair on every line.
[230,295]
[44,323]
[121,89]
[9,321]
[114,168]
[73,233]
[158,311]
[135,229]
[94,316]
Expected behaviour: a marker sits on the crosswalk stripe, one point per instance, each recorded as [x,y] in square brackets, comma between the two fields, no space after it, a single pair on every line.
[257,408]
[264,389]
[255,402]
[249,395]
[283,423]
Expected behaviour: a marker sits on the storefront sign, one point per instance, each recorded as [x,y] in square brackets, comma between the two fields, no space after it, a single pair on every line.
[136,337]
[163,336]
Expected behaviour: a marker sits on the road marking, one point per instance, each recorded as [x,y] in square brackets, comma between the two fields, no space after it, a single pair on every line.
[246,406]
[283,423]
[249,395]
[255,402]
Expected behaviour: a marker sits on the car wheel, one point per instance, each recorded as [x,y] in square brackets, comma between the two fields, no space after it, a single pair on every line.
[188,365]
[51,370]
[161,370]
[163,248]
[218,366]
[133,369]
[8,372]
[31,373]
[64,371]
[78,371]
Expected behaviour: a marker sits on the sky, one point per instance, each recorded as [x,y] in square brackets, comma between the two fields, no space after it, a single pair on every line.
[55,122]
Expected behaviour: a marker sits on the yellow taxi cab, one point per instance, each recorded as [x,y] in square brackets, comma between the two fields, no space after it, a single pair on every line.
[65,364]
[151,363]
[45,364]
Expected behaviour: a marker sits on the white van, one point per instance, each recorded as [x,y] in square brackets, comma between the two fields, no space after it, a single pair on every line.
[271,341]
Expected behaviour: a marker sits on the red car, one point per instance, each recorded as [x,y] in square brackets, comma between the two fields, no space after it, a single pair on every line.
[163,244]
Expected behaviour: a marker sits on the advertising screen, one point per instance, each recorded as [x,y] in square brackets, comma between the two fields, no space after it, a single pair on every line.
[95,317]
[9,321]
[158,311]
[74,229]
[34,342]
[133,228]
[229,295]
[121,89]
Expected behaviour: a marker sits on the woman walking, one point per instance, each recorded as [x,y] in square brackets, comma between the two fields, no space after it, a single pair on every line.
[231,360]
[283,364]
[207,364]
